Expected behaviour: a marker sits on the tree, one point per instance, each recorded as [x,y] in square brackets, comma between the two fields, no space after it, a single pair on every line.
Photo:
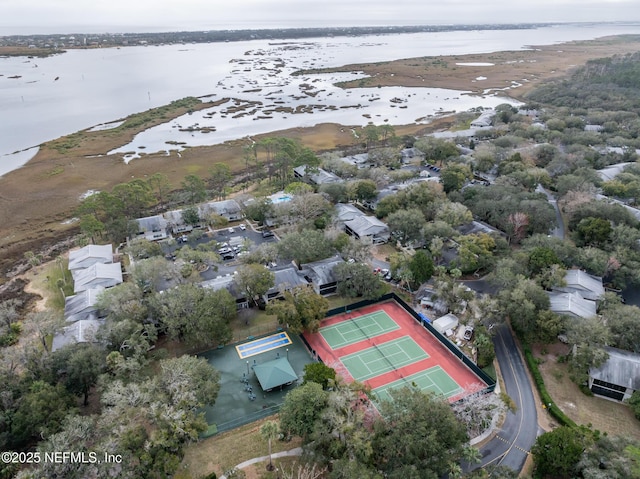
[475,252]
[454,214]
[91,226]
[593,232]
[301,408]
[363,190]
[406,225]
[437,150]
[41,412]
[80,366]
[357,280]
[141,248]
[336,192]
[188,381]
[195,315]
[556,453]
[269,431]
[522,304]
[160,185]
[305,246]
[319,373]
[308,206]
[416,431]
[150,274]
[453,177]
[219,176]
[195,188]
[421,267]
[254,280]
[300,310]
[191,216]
[588,336]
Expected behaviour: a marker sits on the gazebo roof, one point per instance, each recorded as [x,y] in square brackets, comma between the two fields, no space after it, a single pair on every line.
[275,373]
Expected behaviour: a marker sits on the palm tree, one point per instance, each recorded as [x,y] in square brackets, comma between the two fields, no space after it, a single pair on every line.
[472,455]
[269,431]
[455,471]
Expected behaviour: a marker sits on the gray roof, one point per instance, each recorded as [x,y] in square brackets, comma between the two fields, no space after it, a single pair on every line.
[443,323]
[360,160]
[222,208]
[225,282]
[321,272]
[589,287]
[174,217]
[572,304]
[611,171]
[484,120]
[151,223]
[275,373]
[478,227]
[105,275]
[367,226]
[90,255]
[345,212]
[82,305]
[320,177]
[83,331]
[286,279]
[622,368]
[411,153]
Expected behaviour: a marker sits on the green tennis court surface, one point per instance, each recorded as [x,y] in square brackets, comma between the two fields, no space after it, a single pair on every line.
[383,358]
[358,329]
[434,380]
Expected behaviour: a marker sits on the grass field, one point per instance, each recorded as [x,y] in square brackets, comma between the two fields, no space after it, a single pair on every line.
[225,450]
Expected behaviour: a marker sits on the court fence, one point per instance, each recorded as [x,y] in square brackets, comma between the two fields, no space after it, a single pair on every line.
[488,380]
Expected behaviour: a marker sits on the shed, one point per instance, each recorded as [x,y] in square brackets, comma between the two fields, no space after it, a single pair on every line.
[272,374]
[445,323]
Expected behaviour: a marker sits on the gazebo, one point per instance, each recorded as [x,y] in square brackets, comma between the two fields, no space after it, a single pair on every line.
[272,374]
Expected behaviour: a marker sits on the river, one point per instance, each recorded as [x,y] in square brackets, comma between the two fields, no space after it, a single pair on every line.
[45,98]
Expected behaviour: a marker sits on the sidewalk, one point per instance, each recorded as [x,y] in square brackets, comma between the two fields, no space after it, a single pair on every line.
[292,452]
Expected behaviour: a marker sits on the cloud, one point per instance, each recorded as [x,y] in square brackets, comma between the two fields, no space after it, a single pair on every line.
[125,15]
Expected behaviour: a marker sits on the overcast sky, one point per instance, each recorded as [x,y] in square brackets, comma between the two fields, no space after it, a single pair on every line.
[79,16]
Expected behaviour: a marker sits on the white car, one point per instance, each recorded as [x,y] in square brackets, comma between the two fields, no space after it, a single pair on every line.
[231,230]
[242,227]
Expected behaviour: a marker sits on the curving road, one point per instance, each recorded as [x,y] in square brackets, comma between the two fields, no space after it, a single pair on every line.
[511,444]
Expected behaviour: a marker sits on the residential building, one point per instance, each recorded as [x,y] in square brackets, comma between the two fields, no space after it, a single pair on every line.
[98,275]
[315,176]
[485,120]
[618,377]
[368,227]
[176,222]
[82,305]
[571,304]
[320,275]
[360,161]
[229,209]
[228,282]
[579,281]
[89,255]
[152,228]
[411,154]
[81,331]
[285,280]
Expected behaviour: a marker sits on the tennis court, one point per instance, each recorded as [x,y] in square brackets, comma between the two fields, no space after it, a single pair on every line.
[358,329]
[434,380]
[382,358]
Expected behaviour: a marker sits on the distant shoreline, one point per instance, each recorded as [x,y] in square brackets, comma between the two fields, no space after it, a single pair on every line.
[25,45]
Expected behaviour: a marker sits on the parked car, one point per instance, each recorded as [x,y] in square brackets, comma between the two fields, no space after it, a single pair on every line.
[468,332]
[242,227]
[231,230]
[267,233]
[183,239]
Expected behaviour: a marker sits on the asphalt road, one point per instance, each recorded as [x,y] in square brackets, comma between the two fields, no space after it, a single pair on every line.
[512,442]
[559,230]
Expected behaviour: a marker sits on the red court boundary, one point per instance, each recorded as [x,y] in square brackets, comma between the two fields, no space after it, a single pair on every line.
[439,355]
